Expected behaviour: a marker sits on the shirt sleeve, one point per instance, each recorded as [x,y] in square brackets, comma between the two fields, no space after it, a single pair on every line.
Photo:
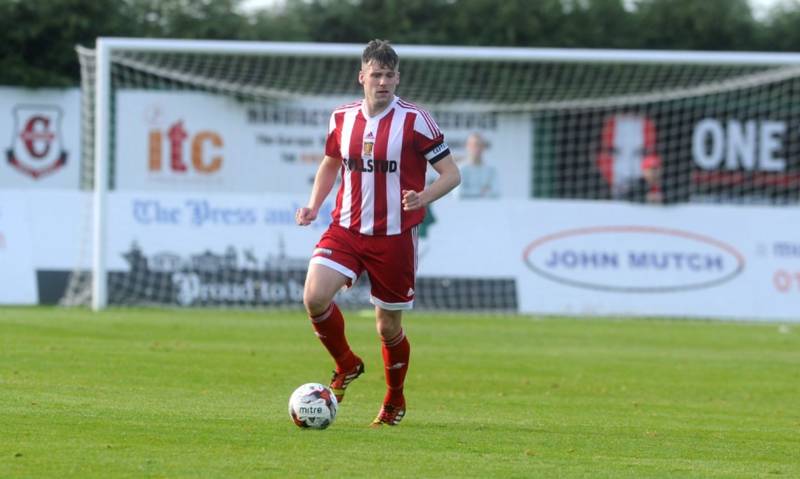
[428,139]
[332,143]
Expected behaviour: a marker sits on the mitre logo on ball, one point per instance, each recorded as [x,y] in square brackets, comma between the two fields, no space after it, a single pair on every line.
[36,146]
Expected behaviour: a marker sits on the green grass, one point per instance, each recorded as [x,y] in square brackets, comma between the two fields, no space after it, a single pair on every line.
[174,393]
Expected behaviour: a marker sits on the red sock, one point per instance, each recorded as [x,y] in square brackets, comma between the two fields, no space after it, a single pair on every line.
[396,353]
[329,327]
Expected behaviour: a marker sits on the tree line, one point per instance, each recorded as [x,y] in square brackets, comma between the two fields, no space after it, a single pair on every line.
[40,36]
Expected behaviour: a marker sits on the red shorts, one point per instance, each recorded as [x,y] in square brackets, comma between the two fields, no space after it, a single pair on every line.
[390,261]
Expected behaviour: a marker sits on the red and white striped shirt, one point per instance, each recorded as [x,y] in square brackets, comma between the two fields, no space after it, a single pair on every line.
[381,156]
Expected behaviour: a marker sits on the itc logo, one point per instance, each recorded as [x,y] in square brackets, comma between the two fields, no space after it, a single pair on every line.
[204,156]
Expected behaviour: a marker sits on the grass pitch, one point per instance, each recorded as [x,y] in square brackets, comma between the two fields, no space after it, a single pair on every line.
[175,393]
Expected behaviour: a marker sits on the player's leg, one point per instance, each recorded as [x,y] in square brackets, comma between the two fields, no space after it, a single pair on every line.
[392,272]
[322,284]
[396,352]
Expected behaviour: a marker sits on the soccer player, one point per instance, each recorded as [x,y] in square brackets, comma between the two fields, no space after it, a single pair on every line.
[381,146]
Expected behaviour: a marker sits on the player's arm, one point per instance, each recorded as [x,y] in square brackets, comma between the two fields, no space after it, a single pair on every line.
[323,182]
[449,178]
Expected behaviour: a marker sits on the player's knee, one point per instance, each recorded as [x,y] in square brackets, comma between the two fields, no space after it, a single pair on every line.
[388,324]
[388,332]
[314,303]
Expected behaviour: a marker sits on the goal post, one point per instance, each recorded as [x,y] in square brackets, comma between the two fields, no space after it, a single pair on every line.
[174,123]
[102,114]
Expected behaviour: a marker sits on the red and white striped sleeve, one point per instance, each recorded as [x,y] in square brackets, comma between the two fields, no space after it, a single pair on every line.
[429,139]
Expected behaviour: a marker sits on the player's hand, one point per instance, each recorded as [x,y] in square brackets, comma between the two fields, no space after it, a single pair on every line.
[305,216]
[412,200]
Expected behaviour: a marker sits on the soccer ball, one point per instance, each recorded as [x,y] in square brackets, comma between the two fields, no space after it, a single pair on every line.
[313,405]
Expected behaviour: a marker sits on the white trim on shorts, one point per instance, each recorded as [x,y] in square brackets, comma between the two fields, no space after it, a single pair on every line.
[336,267]
[391,306]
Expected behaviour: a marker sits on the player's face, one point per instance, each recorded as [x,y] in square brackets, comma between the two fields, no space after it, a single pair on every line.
[379,83]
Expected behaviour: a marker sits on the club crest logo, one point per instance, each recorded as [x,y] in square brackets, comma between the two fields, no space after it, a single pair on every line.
[369,145]
[36,145]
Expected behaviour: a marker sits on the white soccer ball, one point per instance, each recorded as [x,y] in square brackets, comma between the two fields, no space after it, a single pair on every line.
[313,405]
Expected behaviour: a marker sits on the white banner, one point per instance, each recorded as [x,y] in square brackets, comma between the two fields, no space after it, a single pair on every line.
[209,249]
[17,273]
[575,258]
[565,257]
[189,141]
[249,230]
[41,134]
[603,258]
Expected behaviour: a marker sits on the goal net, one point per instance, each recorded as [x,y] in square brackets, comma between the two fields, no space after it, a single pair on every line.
[197,152]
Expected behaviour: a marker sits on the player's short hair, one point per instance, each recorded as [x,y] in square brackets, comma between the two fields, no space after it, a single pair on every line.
[382,53]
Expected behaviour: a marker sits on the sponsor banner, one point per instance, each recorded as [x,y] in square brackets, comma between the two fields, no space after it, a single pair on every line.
[238,231]
[737,155]
[41,134]
[617,259]
[694,261]
[17,279]
[551,257]
[204,250]
[201,250]
[723,150]
[193,141]
[544,257]
[608,258]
